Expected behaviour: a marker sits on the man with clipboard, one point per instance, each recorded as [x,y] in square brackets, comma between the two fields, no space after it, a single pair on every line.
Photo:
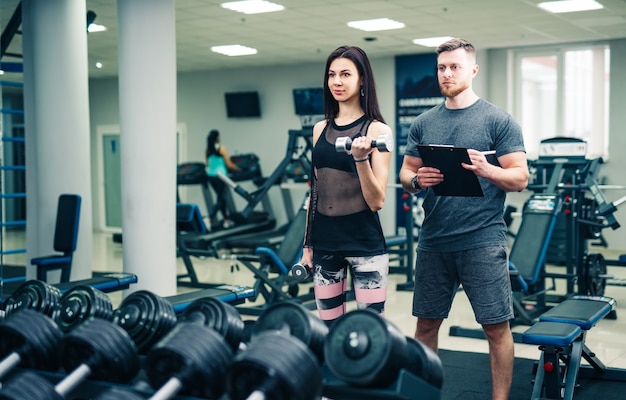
[479,148]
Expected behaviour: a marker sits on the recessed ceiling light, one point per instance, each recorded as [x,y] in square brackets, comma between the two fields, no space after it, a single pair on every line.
[379,24]
[99,65]
[96,28]
[253,6]
[431,42]
[234,50]
[566,6]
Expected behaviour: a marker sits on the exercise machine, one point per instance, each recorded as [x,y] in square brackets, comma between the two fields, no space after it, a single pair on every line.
[194,174]
[292,171]
[558,222]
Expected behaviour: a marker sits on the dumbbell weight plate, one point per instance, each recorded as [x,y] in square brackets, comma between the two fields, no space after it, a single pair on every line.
[296,320]
[364,349]
[35,294]
[105,347]
[115,393]
[34,336]
[423,362]
[146,317]
[197,355]
[81,303]
[27,385]
[277,364]
[222,317]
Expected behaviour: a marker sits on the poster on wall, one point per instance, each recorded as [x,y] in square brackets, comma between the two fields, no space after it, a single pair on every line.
[417,90]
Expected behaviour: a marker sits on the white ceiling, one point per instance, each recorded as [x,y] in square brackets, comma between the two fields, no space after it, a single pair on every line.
[308,30]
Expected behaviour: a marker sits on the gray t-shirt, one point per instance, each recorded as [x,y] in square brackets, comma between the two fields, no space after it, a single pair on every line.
[460,223]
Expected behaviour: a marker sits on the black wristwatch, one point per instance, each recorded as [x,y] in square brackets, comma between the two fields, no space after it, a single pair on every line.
[415,183]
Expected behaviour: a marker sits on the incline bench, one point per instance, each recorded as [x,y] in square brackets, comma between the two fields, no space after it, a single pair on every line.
[560,334]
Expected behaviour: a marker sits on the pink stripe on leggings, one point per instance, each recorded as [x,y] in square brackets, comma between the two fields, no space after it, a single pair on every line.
[334,313]
[369,296]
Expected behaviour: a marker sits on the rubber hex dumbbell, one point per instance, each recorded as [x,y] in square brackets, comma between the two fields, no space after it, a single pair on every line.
[29,339]
[97,349]
[382,143]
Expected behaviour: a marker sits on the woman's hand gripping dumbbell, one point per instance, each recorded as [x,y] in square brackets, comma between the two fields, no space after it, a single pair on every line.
[382,143]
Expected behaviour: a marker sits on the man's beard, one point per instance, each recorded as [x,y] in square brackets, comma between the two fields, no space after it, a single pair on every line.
[452,91]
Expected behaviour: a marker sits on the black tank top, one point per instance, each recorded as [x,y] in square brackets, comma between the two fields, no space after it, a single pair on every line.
[340,219]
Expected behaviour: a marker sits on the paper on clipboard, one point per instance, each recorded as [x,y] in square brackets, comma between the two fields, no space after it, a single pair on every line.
[457,181]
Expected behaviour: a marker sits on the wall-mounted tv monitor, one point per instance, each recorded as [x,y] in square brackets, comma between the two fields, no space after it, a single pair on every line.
[309,101]
[242,104]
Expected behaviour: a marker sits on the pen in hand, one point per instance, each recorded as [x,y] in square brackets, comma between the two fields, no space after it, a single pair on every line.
[488,152]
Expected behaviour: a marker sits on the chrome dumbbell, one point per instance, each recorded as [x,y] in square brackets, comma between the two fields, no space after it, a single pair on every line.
[382,143]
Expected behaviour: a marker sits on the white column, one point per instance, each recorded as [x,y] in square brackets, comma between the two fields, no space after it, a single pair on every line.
[56,106]
[147,90]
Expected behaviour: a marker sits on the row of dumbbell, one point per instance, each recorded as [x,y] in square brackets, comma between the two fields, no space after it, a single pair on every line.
[361,349]
[207,329]
[191,359]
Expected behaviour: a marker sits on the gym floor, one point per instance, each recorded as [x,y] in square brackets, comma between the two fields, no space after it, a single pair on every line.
[606,339]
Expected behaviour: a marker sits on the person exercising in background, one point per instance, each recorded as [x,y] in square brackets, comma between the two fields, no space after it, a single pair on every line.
[218,161]
[343,229]
[463,239]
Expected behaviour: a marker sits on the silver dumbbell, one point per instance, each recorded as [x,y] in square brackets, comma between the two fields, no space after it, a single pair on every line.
[382,143]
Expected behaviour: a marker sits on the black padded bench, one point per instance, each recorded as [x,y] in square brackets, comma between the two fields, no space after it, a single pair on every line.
[103,281]
[233,294]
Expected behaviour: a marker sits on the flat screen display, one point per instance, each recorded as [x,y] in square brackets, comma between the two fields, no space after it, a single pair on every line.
[309,101]
[242,104]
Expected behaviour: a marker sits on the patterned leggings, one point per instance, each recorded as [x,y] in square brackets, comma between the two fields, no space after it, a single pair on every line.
[369,278]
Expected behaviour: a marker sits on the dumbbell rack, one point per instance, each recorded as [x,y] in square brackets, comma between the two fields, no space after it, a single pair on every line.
[406,386]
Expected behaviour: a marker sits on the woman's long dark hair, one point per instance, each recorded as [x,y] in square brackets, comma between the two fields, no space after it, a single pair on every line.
[210,142]
[369,100]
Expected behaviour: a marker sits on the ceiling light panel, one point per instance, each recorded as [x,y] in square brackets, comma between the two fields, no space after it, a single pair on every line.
[566,6]
[253,6]
[379,24]
[431,42]
[234,50]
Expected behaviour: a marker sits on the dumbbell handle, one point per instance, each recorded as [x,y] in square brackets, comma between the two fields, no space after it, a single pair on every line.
[75,378]
[382,143]
[301,272]
[169,390]
[9,362]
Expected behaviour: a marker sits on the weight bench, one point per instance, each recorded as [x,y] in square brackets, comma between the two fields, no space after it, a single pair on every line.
[233,294]
[271,267]
[560,334]
[103,281]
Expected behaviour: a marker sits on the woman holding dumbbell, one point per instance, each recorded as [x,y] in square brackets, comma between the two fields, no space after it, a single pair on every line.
[348,188]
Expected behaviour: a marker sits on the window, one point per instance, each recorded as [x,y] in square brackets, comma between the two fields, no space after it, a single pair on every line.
[564,92]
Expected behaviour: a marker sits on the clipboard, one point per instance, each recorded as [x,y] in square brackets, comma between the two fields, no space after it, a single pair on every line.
[458,181]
